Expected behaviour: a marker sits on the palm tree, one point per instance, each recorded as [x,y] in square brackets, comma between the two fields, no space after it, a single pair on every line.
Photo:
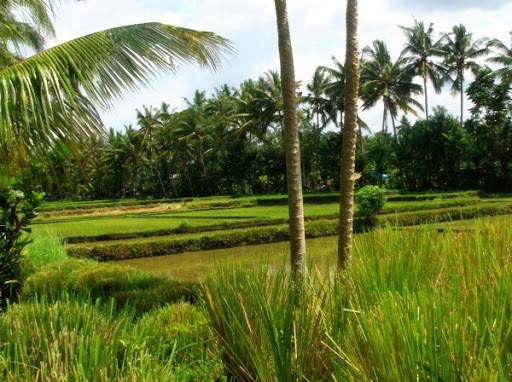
[149,119]
[15,34]
[259,105]
[317,97]
[418,54]
[291,144]
[504,59]
[348,150]
[335,90]
[460,53]
[53,94]
[391,82]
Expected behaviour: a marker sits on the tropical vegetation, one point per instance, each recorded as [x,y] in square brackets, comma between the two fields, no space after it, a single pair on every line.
[420,290]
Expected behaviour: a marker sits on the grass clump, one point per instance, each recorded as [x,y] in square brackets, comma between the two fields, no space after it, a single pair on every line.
[413,305]
[265,338]
[183,331]
[80,340]
[45,249]
[125,285]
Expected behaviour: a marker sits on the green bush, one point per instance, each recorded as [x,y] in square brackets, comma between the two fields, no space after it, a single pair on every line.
[125,285]
[17,211]
[370,200]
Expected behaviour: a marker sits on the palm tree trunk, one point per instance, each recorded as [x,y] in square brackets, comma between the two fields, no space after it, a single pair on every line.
[461,100]
[394,126]
[361,147]
[426,97]
[384,113]
[291,145]
[348,150]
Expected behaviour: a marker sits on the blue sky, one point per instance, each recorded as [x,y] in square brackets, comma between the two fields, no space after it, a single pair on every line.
[318,32]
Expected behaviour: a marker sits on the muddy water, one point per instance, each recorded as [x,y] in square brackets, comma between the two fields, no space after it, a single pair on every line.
[199,265]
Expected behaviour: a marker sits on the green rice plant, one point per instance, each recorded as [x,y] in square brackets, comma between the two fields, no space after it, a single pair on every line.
[183,331]
[43,250]
[266,331]
[125,285]
[80,340]
[427,306]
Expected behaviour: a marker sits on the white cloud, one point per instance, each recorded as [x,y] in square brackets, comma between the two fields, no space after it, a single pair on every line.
[318,32]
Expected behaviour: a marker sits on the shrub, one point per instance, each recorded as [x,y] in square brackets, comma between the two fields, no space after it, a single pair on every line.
[370,200]
[17,211]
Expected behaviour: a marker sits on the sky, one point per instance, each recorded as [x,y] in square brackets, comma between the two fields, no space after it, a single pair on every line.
[317,32]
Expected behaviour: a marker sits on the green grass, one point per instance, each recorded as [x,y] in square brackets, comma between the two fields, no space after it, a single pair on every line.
[146,223]
[414,304]
[104,226]
[470,223]
[77,339]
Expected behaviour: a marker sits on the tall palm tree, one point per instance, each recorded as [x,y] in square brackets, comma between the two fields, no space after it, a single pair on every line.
[502,58]
[348,150]
[291,143]
[419,52]
[335,90]
[388,81]
[149,119]
[259,105]
[54,94]
[318,98]
[460,53]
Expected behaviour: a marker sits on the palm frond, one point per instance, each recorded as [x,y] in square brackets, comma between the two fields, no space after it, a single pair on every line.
[45,93]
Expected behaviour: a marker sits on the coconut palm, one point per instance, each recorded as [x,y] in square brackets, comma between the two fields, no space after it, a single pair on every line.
[149,119]
[317,97]
[54,94]
[461,52]
[291,144]
[259,105]
[335,90]
[388,81]
[16,34]
[348,150]
[503,58]
[419,53]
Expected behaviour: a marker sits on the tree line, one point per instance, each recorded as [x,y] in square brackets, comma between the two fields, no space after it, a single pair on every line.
[231,142]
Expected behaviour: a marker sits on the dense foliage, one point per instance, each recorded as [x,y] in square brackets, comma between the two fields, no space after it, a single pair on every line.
[231,142]
[17,210]
[370,200]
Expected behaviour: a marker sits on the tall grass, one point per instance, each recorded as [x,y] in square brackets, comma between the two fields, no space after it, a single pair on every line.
[80,340]
[265,338]
[413,305]
[125,285]
[46,248]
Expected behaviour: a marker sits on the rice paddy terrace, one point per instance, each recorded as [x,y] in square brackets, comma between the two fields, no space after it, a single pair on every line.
[129,229]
